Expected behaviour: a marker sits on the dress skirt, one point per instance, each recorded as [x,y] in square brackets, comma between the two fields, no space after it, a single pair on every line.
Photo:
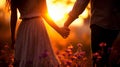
[32,46]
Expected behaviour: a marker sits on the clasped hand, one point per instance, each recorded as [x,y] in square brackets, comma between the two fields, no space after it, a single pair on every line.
[65,31]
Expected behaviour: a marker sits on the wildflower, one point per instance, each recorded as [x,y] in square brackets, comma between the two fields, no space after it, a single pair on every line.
[69,62]
[11,56]
[64,54]
[64,61]
[102,44]
[58,52]
[98,58]
[69,58]
[6,46]
[96,54]
[76,54]
[85,58]
[70,47]
[78,65]
[68,50]
[82,53]
[59,56]
[73,58]
[10,65]
[79,45]
[79,56]
[70,54]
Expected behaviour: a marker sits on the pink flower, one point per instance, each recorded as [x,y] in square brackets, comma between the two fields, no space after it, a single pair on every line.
[6,46]
[58,52]
[82,53]
[63,54]
[68,50]
[73,58]
[69,63]
[79,45]
[70,47]
[102,44]
[96,54]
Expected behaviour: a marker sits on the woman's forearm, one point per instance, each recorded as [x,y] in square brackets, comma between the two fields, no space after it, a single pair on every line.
[49,20]
[45,14]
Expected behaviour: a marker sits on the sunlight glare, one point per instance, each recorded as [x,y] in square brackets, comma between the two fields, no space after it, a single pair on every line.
[2,2]
[59,10]
[78,22]
[84,14]
[56,13]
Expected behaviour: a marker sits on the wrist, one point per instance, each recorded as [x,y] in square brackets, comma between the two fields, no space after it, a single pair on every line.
[65,25]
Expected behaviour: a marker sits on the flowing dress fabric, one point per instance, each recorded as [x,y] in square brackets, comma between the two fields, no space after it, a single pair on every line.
[32,47]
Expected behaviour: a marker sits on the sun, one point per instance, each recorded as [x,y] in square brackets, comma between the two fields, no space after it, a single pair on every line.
[59,10]
[56,13]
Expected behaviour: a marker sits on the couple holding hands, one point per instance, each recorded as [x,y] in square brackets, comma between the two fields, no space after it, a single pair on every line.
[32,42]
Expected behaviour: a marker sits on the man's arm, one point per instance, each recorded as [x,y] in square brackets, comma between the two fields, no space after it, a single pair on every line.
[77,9]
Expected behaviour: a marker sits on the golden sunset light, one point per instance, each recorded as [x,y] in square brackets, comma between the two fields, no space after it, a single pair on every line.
[59,11]
[2,2]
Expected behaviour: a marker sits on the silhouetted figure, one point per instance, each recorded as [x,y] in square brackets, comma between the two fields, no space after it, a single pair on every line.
[104,24]
[32,44]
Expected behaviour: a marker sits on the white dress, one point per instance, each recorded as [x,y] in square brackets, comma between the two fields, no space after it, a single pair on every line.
[32,46]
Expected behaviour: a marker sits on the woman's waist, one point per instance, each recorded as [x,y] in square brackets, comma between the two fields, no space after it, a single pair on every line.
[30,16]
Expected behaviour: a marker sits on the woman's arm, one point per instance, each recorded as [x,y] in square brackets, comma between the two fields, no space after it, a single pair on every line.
[13,22]
[63,31]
